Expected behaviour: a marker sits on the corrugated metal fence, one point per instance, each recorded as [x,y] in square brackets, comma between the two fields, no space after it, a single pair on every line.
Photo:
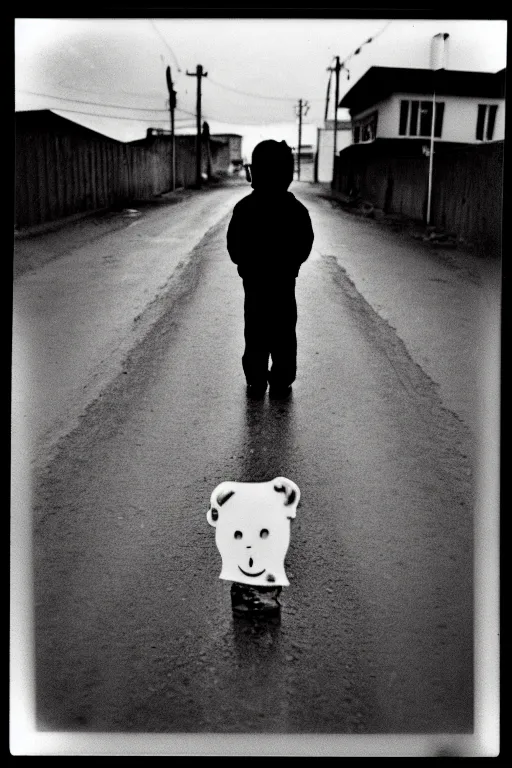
[60,175]
[467,188]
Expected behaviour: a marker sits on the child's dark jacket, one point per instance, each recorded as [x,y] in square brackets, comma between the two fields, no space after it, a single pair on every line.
[269,235]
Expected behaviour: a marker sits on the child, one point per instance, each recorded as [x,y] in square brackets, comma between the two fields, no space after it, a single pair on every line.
[269,237]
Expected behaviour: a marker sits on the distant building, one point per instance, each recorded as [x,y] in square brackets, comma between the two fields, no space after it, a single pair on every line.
[232,157]
[307,162]
[324,160]
[396,103]
[216,151]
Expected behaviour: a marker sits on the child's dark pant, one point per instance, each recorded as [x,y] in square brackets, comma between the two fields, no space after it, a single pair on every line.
[270,313]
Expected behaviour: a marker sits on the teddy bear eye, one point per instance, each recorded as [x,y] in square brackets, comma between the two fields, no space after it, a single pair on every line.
[263,533]
[238,534]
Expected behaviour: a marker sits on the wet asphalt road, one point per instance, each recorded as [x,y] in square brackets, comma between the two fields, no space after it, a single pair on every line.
[134,631]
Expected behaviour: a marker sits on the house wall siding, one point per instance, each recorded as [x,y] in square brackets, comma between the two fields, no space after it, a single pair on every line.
[461,115]
[459,121]
[386,127]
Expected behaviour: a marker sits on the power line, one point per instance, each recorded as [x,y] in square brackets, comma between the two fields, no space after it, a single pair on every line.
[369,40]
[137,94]
[341,65]
[103,104]
[94,103]
[254,95]
[113,117]
[162,38]
[184,122]
[155,109]
[213,118]
[220,85]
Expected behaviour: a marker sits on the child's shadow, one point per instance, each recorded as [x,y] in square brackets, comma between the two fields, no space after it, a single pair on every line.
[268,438]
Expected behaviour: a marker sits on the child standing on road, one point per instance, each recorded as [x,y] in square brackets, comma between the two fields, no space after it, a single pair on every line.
[269,237]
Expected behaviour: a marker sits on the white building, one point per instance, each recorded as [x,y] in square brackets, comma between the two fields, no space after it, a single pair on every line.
[325,147]
[397,103]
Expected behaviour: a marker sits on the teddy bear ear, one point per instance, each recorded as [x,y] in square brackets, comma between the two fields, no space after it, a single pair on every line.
[291,493]
[220,495]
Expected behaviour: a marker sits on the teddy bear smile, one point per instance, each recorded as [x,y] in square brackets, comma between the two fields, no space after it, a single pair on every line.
[254,575]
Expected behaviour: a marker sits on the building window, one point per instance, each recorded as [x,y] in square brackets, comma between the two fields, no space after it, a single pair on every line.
[404,115]
[425,118]
[485,121]
[413,125]
[365,129]
[416,118]
[438,120]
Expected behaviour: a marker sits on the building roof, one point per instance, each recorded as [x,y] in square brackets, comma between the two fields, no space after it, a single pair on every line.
[164,133]
[214,139]
[380,82]
[343,125]
[42,120]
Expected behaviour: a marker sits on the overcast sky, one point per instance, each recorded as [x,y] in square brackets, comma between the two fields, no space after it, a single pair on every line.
[109,74]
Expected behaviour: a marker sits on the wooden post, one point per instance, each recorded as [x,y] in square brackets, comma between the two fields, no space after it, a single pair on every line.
[336,100]
[336,69]
[172,107]
[300,140]
[199,74]
[303,106]
[431,159]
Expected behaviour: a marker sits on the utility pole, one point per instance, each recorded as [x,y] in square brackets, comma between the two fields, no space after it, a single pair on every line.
[301,106]
[337,69]
[327,98]
[199,74]
[206,139]
[172,107]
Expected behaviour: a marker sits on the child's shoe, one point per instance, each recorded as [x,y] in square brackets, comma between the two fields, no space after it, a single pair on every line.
[256,391]
[279,392]
[249,600]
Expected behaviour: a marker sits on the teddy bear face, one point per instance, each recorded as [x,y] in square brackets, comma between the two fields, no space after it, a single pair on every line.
[252,522]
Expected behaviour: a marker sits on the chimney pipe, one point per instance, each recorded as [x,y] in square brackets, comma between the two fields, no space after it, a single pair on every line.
[439,51]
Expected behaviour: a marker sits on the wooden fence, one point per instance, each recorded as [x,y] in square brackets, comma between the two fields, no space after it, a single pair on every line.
[467,187]
[468,195]
[59,175]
